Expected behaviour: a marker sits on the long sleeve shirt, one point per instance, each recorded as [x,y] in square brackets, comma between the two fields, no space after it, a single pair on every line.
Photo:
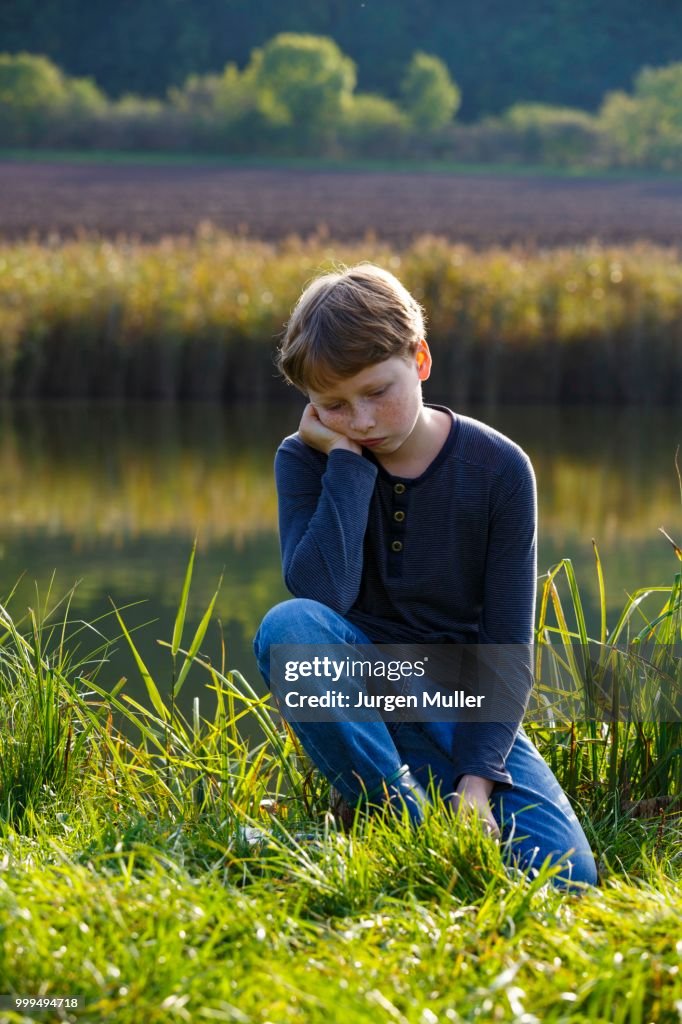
[446,557]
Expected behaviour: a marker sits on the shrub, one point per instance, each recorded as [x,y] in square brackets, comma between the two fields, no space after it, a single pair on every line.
[372,125]
[647,127]
[303,81]
[32,89]
[554,135]
[430,97]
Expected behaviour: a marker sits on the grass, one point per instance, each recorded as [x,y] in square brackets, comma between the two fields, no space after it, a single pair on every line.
[172,870]
[397,165]
[199,318]
[626,685]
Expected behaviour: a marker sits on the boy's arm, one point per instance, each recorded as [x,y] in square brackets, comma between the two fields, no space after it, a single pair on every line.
[507,619]
[323,511]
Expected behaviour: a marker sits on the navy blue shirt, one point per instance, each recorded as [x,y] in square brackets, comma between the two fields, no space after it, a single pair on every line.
[446,557]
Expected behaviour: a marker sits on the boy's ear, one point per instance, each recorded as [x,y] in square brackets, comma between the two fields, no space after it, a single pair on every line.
[424,361]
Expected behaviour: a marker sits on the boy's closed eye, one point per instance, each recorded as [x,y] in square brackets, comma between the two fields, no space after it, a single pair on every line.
[336,406]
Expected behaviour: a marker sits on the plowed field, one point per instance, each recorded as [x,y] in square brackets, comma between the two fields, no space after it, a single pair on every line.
[270,203]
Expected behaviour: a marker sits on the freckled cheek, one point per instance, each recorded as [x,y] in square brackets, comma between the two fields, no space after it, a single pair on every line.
[331,420]
[391,410]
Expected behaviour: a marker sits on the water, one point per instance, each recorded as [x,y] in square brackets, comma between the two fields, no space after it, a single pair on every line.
[113,497]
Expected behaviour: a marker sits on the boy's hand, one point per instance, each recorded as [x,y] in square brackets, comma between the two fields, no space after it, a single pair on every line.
[313,432]
[473,792]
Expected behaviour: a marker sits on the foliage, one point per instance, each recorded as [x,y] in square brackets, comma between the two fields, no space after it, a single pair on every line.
[29,82]
[562,136]
[84,98]
[568,54]
[540,115]
[227,96]
[372,125]
[430,96]
[34,93]
[296,96]
[303,81]
[647,126]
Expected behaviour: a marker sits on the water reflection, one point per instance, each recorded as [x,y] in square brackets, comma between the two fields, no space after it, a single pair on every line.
[113,496]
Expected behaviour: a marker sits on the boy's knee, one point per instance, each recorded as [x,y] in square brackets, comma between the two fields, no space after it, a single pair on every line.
[584,870]
[285,623]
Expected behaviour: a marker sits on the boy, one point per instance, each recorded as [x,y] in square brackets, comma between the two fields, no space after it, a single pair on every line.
[406,523]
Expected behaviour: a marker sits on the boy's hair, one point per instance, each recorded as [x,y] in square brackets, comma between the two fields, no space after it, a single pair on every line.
[344,322]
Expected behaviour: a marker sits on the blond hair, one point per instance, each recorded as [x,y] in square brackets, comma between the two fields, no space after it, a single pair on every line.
[344,322]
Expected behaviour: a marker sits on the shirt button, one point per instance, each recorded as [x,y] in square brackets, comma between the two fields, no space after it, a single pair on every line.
[399,488]
[397,545]
[399,516]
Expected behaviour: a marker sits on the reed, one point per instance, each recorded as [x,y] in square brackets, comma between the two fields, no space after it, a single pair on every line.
[199,318]
[622,748]
[58,715]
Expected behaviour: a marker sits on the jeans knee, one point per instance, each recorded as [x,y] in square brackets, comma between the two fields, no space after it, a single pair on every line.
[284,623]
[580,869]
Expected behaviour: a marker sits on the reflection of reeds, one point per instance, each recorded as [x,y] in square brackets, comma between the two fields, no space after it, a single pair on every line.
[124,476]
[198,318]
[136,495]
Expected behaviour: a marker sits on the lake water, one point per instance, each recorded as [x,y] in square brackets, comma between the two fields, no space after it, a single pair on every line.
[112,497]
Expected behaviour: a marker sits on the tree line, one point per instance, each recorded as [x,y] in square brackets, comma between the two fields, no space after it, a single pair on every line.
[551,51]
[297,95]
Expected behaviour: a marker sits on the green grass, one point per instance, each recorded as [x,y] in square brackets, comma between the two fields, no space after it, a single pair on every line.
[138,934]
[131,880]
[161,159]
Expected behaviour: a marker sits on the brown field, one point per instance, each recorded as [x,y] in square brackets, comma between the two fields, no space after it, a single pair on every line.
[479,209]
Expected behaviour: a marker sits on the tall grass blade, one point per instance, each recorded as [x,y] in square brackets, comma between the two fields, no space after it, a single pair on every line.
[182,607]
[196,642]
[676,548]
[602,594]
[149,683]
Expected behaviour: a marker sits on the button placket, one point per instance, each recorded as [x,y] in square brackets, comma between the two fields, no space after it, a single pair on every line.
[396,531]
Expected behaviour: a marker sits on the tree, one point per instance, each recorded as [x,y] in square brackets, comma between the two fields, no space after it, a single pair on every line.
[647,127]
[303,81]
[430,97]
[35,94]
[31,88]
[83,97]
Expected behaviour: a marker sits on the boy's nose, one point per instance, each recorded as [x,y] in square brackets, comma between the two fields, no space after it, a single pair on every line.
[363,420]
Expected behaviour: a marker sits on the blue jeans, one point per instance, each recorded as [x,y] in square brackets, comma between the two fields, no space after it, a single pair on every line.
[535,817]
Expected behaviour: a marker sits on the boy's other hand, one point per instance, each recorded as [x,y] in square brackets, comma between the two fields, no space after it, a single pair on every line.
[313,432]
[473,793]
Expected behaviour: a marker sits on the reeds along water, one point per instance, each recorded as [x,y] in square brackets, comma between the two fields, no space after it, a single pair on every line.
[55,733]
[199,318]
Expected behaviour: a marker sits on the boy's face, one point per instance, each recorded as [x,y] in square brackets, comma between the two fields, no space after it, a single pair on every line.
[378,407]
